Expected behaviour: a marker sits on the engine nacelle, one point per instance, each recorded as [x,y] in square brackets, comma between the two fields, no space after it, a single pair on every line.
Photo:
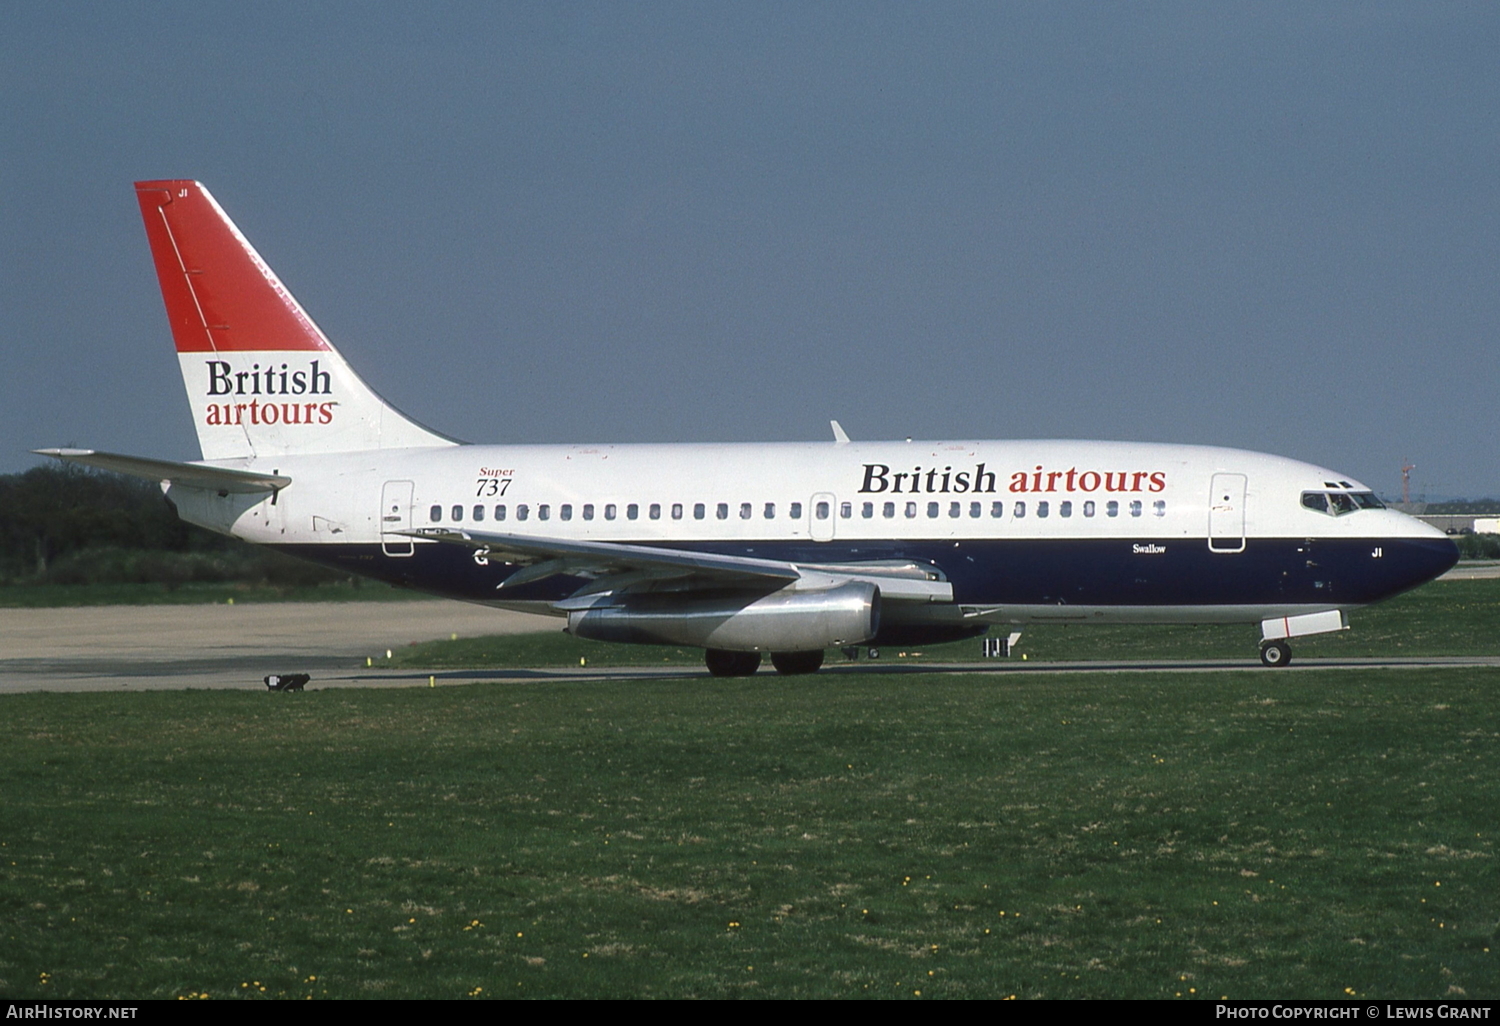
[783,621]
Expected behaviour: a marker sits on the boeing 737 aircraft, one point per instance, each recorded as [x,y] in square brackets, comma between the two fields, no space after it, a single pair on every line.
[747,549]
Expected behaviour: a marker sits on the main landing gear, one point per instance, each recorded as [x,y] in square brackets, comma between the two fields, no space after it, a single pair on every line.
[744,664]
[1275,653]
[731,664]
[790,664]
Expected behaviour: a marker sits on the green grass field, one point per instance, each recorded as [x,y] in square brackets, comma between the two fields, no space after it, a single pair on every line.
[1245,834]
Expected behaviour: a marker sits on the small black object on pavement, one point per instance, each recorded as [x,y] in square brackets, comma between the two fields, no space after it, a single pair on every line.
[286,681]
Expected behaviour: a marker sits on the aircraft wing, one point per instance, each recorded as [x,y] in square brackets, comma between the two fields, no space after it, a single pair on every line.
[614,565]
[188,475]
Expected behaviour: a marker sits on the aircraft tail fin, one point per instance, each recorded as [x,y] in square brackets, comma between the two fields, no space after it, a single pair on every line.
[262,379]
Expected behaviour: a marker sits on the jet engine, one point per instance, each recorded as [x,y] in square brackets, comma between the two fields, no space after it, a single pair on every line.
[783,621]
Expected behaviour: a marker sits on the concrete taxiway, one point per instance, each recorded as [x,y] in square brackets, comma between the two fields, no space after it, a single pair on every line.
[106,648]
[122,648]
[135,648]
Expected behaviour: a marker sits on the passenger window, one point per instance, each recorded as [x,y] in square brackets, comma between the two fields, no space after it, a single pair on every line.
[479,513]
[795,511]
[523,511]
[499,512]
[1135,507]
[1111,508]
[632,512]
[1088,508]
[676,511]
[655,512]
[565,511]
[1043,507]
[821,511]
[698,511]
[867,510]
[458,513]
[1064,509]
[997,510]
[955,509]
[609,511]
[544,512]
[770,511]
[888,510]
[911,510]
[932,511]
[744,511]
[436,514]
[588,511]
[722,511]
[846,510]
[1159,507]
[1019,511]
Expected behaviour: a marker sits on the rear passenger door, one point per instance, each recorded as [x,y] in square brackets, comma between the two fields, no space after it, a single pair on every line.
[395,515]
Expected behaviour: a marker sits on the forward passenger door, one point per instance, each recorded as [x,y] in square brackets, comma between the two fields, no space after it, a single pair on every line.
[1226,513]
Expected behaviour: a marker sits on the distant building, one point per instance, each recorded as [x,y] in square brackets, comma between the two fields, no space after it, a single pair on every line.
[1463,523]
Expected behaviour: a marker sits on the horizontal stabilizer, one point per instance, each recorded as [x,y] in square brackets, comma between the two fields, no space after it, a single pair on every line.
[186,475]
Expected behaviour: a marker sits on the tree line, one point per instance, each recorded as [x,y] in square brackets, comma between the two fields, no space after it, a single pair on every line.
[65,524]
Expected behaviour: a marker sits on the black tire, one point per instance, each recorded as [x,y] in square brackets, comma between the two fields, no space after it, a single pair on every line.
[731,664]
[1275,653]
[794,663]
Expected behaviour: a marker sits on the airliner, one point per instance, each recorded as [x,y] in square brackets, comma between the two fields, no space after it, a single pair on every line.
[742,550]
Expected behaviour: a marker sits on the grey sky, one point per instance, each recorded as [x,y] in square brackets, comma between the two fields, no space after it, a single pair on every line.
[1263,225]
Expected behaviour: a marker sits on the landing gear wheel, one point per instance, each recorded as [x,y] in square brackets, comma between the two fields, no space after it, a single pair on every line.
[793,663]
[1275,653]
[731,664]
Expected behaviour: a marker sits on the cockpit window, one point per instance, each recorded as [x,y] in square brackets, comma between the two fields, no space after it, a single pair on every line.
[1336,504]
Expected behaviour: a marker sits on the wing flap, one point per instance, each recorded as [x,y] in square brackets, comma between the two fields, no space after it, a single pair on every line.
[628,565]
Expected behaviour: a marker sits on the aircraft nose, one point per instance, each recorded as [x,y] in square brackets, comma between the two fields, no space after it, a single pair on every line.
[1420,559]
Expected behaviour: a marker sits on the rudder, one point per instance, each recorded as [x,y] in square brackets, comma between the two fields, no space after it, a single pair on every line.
[262,378]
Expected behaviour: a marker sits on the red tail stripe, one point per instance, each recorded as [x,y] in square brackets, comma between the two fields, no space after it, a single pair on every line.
[220,295]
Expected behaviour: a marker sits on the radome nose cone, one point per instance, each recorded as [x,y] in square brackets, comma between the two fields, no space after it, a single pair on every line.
[1423,559]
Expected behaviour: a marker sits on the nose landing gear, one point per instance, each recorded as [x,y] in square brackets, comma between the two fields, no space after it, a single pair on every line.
[1278,630]
[1275,653]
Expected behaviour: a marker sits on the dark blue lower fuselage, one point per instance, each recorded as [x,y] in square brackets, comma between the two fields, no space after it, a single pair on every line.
[1166,573]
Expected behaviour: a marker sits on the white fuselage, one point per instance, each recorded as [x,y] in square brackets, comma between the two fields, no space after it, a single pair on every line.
[1001,504]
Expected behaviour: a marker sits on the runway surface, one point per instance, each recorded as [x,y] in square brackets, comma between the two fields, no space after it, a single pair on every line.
[134,648]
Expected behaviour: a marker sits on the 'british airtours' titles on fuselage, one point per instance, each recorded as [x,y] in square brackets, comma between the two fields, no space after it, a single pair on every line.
[880,478]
